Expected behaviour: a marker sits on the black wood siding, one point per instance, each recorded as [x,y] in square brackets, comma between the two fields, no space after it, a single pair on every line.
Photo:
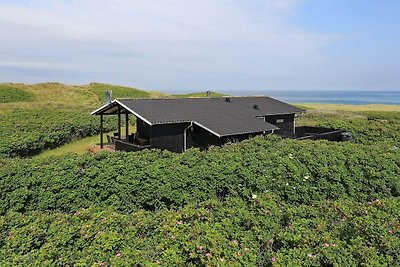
[287,126]
[143,129]
[169,136]
[202,139]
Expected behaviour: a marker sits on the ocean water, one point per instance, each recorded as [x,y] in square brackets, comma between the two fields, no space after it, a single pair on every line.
[330,97]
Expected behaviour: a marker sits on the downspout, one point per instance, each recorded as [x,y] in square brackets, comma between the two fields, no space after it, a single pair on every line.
[294,124]
[184,136]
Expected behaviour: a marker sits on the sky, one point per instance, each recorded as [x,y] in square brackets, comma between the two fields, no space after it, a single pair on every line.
[191,45]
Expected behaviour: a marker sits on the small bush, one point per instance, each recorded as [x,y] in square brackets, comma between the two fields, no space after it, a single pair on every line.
[13,94]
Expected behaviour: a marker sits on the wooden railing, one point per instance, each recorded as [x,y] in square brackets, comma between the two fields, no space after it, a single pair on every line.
[122,145]
[318,133]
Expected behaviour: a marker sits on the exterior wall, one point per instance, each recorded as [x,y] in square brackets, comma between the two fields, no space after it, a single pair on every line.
[128,147]
[169,136]
[317,133]
[202,139]
[143,129]
[286,126]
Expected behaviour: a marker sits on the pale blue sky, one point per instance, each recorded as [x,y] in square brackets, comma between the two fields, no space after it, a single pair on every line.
[203,45]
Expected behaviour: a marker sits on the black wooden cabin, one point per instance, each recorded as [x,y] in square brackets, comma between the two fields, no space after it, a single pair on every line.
[179,124]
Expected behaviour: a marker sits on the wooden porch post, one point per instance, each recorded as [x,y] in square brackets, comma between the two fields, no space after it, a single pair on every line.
[101,131]
[126,125]
[119,122]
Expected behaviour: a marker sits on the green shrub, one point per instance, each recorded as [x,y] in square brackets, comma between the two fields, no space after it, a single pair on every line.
[13,94]
[27,132]
[254,232]
[366,127]
[298,172]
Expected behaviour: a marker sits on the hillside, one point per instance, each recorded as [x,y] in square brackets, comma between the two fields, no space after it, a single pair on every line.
[266,201]
[61,114]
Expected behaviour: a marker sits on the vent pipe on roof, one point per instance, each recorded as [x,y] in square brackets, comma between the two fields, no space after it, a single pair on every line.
[108,96]
[255,107]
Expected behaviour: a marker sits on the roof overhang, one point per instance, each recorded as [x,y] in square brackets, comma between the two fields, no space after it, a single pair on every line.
[269,127]
[112,109]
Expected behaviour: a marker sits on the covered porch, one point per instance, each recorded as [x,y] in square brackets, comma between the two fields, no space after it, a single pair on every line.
[124,139]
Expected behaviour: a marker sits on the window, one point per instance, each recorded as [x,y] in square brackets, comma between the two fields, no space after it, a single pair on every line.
[280,121]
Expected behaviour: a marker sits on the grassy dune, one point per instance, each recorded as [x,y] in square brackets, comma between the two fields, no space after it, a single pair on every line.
[198,94]
[353,108]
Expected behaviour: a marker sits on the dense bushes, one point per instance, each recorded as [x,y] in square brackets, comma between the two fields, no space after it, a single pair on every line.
[13,94]
[27,132]
[258,231]
[367,127]
[368,132]
[298,172]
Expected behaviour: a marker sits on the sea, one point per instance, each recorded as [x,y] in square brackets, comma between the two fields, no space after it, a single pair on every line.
[327,97]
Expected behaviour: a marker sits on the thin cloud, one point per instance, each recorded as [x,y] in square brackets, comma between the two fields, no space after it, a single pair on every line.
[132,41]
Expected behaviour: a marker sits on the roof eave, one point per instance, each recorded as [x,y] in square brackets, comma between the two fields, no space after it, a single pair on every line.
[96,112]
[249,132]
[133,112]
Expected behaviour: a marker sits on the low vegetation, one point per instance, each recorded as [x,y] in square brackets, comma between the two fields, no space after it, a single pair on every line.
[259,231]
[25,133]
[353,108]
[297,172]
[262,202]
[266,201]
[13,94]
[117,91]
[367,127]
[202,94]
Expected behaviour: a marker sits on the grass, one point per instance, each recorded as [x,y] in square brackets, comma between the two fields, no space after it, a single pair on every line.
[57,95]
[53,96]
[80,146]
[117,91]
[197,94]
[13,94]
[353,108]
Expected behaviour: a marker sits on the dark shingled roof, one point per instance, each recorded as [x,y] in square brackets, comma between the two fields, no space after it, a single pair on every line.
[221,115]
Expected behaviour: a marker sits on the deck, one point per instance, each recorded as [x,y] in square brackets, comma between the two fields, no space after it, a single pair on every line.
[130,144]
[318,133]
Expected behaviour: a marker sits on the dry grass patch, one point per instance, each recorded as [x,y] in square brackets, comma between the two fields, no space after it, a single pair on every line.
[353,108]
